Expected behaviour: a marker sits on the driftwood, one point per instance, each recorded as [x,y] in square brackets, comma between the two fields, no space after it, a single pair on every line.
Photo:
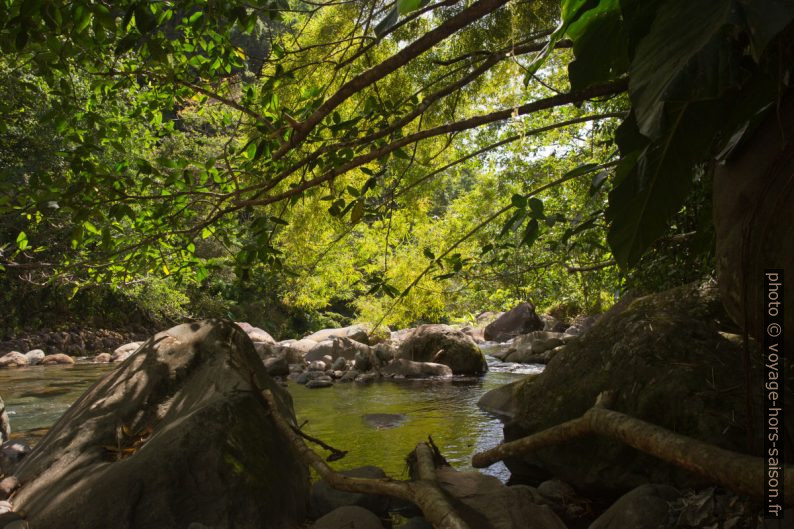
[742,473]
[424,491]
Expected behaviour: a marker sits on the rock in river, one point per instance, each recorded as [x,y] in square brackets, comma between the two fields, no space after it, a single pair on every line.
[443,344]
[521,319]
[197,443]
[14,359]
[667,360]
[382,421]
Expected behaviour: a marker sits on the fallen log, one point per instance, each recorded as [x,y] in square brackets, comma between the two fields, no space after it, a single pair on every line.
[741,473]
[424,491]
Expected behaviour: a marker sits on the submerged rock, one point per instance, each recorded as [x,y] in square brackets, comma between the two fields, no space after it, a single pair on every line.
[382,421]
[197,443]
[443,344]
[521,319]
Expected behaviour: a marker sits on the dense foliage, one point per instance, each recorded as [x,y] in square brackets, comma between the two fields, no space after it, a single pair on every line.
[395,162]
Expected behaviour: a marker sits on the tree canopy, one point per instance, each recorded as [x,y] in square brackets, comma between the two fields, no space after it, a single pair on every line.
[412,158]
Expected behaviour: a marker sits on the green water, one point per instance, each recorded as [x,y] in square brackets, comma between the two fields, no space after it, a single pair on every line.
[37,396]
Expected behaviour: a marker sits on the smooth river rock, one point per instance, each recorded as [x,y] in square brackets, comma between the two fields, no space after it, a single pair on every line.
[14,359]
[197,443]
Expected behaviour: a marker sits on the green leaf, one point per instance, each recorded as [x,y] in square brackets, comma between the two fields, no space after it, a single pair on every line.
[358,212]
[530,233]
[681,30]
[406,6]
[536,206]
[22,241]
[90,228]
[195,17]
[429,254]
[388,21]
[518,201]
[599,45]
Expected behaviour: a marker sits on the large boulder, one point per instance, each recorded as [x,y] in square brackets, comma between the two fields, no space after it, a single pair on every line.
[176,435]
[256,334]
[359,333]
[123,352]
[655,352]
[443,344]
[521,319]
[336,347]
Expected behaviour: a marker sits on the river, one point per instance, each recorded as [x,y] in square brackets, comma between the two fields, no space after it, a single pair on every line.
[37,396]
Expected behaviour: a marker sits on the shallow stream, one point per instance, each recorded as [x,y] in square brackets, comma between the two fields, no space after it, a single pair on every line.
[378,423]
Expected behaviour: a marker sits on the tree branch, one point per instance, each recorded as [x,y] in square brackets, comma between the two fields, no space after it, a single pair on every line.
[742,473]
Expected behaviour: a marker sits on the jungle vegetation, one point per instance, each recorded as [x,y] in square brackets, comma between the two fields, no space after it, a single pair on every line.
[303,163]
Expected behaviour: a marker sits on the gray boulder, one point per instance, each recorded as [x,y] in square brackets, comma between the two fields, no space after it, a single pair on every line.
[485,502]
[123,352]
[323,381]
[348,517]
[198,445]
[335,347]
[443,344]
[408,369]
[646,507]
[655,352]
[11,454]
[14,359]
[521,319]
[325,498]
[359,333]
[277,366]
[255,333]
[340,364]
[34,356]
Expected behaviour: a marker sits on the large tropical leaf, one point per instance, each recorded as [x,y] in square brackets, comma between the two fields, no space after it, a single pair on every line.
[652,182]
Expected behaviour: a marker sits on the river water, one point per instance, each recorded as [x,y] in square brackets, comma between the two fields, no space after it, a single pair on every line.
[341,415]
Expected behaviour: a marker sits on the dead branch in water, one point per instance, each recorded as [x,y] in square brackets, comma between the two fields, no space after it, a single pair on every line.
[424,491]
[742,473]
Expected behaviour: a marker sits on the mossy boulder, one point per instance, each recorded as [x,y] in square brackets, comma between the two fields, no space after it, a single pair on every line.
[669,361]
[177,434]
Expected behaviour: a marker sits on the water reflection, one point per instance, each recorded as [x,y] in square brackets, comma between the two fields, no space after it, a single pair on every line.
[37,396]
